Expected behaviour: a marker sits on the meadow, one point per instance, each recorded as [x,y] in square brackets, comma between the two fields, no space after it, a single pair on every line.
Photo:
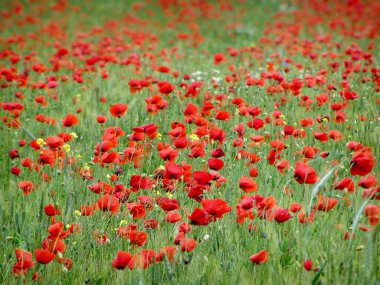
[193,142]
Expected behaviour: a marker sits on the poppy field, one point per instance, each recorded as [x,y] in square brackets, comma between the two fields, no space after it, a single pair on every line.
[193,142]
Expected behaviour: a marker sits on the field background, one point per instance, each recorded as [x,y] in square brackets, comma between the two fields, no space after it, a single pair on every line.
[223,258]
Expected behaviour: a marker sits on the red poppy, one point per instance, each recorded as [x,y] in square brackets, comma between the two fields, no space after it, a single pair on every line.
[260,257]
[137,210]
[255,124]
[282,165]
[172,171]
[362,162]
[321,136]
[199,217]
[202,177]
[54,245]
[187,244]
[165,88]
[247,184]
[222,116]
[24,262]
[167,204]
[295,207]
[13,153]
[304,174]
[118,110]
[281,215]
[137,182]
[54,142]
[56,231]
[25,186]
[150,223]
[216,207]
[43,256]
[70,120]
[108,203]
[121,260]
[303,219]
[308,265]
[325,203]
[169,251]
[172,217]
[15,170]
[137,238]
[47,157]
[215,163]
[345,183]
[101,119]
[367,182]
[50,210]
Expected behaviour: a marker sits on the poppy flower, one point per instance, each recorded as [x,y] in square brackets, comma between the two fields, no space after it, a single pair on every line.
[255,124]
[282,165]
[260,257]
[222,116]
[24,262]
[367,182]
[199,217]
[247,184]
[325,203]
[345,183]
[202,177]
[50,210]
[118,110]
[215,163]
[355,146]
[216,207]
[304,174]
[184,227]
[187,244]
[136,210]
[309,152]
[295,207]
[54,142]
[321,136]
[190,110]
[25,186]
[14,154]
[303,219]
[121,260]
[54,245]
[372,212]
[47,157]
[172,171]
[362,163]
[218,58]
[70,120]
[137,238]
[101,119]
[15,171]
[43,256]
[307,265]
[137,182]
[143,259]
[165,88]
[56,231]
[168,251]
[150,223]
[172,217]
[281,215]
[108,203]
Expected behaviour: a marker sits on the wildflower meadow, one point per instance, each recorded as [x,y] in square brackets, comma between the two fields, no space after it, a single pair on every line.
[190,142]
